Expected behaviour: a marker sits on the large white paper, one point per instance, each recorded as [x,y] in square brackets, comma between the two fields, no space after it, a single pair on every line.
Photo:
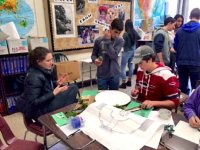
[10,29]
[183,130]
[155,140]
[67,129]
[115,129]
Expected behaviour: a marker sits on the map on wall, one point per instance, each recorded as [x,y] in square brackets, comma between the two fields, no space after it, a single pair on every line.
[21,13]
[149,13]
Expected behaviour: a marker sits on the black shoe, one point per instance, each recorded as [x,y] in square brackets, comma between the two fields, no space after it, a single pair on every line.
[122,86]
[128,83]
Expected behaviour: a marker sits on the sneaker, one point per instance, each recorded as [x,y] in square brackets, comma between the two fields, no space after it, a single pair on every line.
[122,86]
[128,83]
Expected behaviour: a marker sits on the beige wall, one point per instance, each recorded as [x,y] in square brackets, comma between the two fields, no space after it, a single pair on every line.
[40,18]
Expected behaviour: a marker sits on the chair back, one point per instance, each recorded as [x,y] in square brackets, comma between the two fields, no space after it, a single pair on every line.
[6,131]
[34,126]
[59,57]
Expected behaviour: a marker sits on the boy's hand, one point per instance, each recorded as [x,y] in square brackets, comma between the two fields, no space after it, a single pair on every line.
[98,62]
[107,34]
[134,92]
[194,122]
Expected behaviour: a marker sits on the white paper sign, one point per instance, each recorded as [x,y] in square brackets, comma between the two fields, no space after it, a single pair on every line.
[103,24]
[92,1]
[85,18]
[65,1]
[119,6]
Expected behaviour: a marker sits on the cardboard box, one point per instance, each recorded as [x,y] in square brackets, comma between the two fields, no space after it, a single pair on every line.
[3,47]
[17,46]
[37,41]
[69,68]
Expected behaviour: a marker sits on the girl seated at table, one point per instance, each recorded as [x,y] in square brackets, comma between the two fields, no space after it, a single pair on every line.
[42,94]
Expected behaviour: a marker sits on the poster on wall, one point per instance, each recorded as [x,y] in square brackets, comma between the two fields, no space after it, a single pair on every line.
[107,12]
[80,7]
[13,11]
[149,14]
[64,25]
[87,34]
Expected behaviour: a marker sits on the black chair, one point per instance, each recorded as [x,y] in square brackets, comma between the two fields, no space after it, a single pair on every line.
[60,57]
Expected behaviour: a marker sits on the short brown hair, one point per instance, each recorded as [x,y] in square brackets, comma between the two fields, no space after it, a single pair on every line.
[195,13]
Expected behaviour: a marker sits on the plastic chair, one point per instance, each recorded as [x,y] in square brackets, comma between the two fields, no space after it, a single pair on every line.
[13,142]
[36,128]
[59,57]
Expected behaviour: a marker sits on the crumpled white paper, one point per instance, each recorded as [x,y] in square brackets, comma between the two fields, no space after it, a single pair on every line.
[10,30]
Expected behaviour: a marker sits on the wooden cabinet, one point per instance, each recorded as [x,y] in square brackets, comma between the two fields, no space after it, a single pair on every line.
[13,68]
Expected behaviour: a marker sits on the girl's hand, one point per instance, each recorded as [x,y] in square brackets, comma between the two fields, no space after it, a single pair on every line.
[61,80]
[59,89]
[98,62]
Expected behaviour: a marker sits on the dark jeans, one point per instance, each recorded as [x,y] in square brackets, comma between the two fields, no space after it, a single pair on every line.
[172,61]
[62,99]
[187,72]
[108,83]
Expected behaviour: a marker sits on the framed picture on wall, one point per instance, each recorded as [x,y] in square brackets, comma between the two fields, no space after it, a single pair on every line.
[148,14]
[63,20]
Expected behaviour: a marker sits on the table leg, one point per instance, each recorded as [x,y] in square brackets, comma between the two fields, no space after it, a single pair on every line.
[82,73]
[91,75]
[44,138]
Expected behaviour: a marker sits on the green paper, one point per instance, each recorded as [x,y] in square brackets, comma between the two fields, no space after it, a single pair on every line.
[89,92]
[60,119]
[132,105]
[144,112]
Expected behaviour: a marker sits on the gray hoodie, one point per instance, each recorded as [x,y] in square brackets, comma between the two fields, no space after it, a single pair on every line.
[108,50]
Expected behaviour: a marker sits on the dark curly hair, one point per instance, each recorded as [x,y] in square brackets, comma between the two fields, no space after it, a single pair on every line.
[39,53]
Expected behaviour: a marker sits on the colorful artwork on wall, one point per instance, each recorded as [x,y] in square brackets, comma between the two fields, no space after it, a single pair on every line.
[149,13]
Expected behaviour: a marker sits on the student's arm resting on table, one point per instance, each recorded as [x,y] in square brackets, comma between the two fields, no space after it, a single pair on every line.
[191,107]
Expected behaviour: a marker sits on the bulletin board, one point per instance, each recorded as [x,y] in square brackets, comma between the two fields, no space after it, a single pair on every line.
[75,24]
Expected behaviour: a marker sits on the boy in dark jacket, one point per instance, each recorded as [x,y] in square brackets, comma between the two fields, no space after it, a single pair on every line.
[187,47]
[105,56]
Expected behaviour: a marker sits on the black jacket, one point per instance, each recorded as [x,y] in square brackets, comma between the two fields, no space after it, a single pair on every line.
[38,91]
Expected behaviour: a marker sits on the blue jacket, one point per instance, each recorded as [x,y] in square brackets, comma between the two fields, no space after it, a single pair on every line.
[187,44]
[192,105]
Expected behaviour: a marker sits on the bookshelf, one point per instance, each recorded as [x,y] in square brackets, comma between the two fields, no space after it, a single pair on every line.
[13,68]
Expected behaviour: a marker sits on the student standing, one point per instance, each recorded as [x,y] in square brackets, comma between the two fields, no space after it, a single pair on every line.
[105,56]
[187,47]
[179,22]
[161,41]
[130,38]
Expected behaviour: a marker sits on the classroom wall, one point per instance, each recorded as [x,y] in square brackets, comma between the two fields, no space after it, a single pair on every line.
[40,17]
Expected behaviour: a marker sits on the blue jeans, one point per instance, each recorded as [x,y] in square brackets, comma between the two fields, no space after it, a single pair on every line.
[187,72]
[127,57]
[108,83]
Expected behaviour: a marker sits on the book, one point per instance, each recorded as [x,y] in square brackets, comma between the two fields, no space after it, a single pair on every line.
[60,119]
